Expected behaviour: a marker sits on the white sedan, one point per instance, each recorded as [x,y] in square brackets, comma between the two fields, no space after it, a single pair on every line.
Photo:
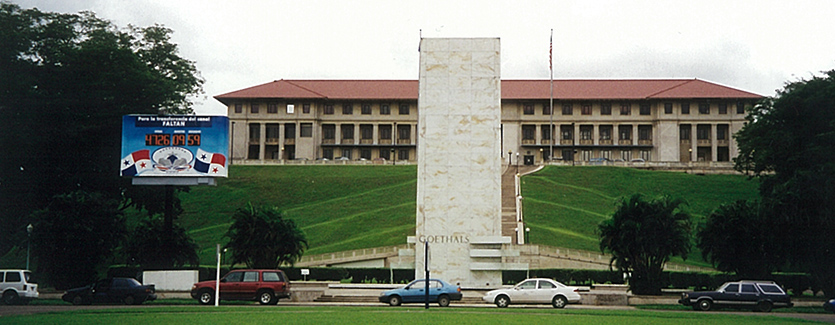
[534,291]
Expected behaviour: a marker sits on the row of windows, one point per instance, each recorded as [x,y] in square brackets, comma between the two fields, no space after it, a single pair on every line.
[626,108]
[586,131]
[327,109]
[328,131]
[384,153]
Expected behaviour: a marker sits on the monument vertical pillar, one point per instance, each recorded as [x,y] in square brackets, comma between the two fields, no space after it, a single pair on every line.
[459,161]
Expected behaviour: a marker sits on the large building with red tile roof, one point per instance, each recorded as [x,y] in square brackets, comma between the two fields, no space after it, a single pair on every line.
[652,120]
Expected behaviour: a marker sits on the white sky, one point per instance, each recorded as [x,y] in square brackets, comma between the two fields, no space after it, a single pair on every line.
[754,45]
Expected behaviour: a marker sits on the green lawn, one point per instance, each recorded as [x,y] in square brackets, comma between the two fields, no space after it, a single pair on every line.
[352,207]
[387,315]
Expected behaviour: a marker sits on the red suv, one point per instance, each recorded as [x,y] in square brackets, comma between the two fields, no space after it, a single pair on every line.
[264,286]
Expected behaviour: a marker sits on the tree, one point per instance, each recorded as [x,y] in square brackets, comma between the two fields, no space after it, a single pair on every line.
[642,236]
[735,239]
[81,73]
[74,235]
[151,246]
[261,237]
[788,145]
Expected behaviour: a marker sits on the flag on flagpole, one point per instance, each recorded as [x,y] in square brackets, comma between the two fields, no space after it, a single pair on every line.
[551,54]
[136,163]
[210,163]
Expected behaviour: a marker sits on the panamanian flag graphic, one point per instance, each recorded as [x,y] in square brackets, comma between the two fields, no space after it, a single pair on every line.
[210,163]
[136,163]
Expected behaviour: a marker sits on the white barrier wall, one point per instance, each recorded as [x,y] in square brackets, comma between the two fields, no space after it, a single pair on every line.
[171,280]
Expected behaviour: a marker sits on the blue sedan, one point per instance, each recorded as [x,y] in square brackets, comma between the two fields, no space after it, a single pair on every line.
[439,291]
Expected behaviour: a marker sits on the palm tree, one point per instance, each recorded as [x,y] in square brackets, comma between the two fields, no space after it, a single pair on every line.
[642,236]
[262,238]
[736,238]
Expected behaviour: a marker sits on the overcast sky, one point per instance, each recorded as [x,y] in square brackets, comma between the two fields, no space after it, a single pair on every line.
[753,45]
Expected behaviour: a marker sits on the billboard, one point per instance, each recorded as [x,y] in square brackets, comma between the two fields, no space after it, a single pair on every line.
[174,146]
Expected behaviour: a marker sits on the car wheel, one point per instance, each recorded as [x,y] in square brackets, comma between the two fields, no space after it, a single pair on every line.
[77,300]
[10,297]
[705,305]
[394,300]
[129,300]
[502,301]
[206,297]
[559,302]
[443,301]
[764,306]
[266,297]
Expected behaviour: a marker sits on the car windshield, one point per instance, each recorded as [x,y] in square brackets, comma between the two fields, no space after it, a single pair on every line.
[29,278]
[733,287]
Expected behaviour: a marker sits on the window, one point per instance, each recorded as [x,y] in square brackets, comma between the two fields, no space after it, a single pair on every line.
[234,277]
[748,288]
[306,130]
[527,109]
[306,108]
[740,108]
[546,132]
[327,153]
[644,109]
[625,132]
[254,132]
[365,153]
[585,155]
[239,108]
[644,132]
[722,132]
[289,131]
[606,154]
[685,108]
[347,109]
[668,108]
[385,132]
[585,132]
[385,153]
[366,109]
[605,132]
[272,109]
[606,109]
[328,131]
[703,132]
[528,132]
[250,276]
[684,132]
[646,155]
[347,131]
[272,277]
[723,108]
[385,109]
[625,109]
[253,108]
[327,109]
[704,108]
[585,109]
[404,109]
[404,132]
[733,287]
[567,132]
[13,276]
[546,285]
[403,154]
[567,109]
[346,153]
[546,109]
[626,155]
[291,108]
[272,132]
[366,132]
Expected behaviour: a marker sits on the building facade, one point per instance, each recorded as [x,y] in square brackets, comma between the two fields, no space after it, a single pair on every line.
[653,120]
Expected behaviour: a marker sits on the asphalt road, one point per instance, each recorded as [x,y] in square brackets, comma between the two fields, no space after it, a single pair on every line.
[34,309]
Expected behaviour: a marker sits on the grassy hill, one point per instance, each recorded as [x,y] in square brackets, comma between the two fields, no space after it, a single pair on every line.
[351,207]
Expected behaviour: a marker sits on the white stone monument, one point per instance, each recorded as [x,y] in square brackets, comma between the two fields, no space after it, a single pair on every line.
[459,161]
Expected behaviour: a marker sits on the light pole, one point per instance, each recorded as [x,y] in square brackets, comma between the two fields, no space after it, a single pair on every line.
[528,235]
[541,154]
[517,163]
[509,158]
[29,229]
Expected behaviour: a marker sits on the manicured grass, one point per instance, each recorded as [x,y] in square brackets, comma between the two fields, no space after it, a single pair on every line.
[386,315]
[353,207]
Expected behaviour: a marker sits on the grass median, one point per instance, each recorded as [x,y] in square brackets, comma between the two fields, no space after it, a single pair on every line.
[384,315]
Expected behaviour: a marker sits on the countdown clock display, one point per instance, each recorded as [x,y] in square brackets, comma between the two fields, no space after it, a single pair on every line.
[174,146]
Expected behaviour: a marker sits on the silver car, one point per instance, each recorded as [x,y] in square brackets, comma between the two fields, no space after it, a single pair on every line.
[534,291]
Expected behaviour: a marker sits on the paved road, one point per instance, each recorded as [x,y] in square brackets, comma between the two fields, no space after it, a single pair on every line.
[33,309]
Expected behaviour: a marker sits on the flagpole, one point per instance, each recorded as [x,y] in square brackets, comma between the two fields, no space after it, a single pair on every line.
[551,104]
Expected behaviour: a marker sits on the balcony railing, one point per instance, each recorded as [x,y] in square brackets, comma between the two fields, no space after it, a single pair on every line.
[384,141]
[347,141]
[272,140]
[645,142]
[404,141]
[528,141]
[366,141]
[627,142]
[587,142]
[289,140]
[703,142]
[606,142]
[328,141]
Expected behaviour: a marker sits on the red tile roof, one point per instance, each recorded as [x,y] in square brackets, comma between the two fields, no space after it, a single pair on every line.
[592,89]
